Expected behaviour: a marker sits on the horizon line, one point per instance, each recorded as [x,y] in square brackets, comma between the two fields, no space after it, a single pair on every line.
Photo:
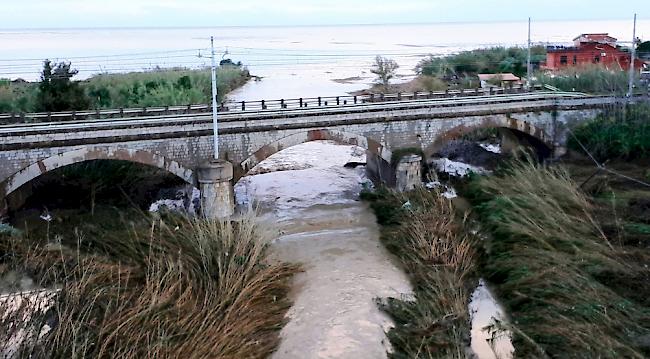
[460,22]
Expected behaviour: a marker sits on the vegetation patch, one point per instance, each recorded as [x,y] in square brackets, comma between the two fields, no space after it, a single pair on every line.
[489,61]
[621,133]
[422,230]
[593,79]
[57,91]
[549,258]
[167,288]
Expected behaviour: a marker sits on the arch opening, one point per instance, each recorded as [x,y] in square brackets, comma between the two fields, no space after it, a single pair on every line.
[378,157]
[490,142]
[482,149]
[87,176]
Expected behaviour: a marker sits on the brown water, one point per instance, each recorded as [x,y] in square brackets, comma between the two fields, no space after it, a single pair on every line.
[336,237]
[486,342]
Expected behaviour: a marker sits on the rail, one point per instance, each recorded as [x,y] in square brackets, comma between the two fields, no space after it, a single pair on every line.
[252,117]
[246,106]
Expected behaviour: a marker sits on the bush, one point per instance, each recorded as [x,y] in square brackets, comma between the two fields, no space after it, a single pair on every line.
[439,256]
[432,83]
[57,91]
[168,87]
[166,288]
[545,253]
[163,87]
[591,79]
[621,133]
[490,60]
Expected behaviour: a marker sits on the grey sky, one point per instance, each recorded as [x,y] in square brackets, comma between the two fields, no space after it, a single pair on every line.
[162,13]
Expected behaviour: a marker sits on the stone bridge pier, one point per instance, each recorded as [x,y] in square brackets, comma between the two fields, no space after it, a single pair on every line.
[216,187]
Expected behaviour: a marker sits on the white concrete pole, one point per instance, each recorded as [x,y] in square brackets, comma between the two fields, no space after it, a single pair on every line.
[630,89]
[215,124]
[528,68]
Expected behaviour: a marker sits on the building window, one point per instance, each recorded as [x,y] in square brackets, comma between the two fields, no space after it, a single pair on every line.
[563,60]
[575,59]
[597,59]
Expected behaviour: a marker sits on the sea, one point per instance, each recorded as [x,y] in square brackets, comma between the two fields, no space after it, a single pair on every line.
[290,62]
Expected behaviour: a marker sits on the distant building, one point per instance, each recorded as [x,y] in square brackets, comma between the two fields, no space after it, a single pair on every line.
[500,80]
[590,49]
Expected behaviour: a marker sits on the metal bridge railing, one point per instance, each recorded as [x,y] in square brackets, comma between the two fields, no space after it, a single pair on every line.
[262,105]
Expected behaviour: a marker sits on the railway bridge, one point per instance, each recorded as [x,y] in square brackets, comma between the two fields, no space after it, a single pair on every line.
[183,143]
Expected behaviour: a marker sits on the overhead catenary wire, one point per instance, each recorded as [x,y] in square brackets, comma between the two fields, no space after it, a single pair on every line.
[284,56]
[601,166]
[141,66]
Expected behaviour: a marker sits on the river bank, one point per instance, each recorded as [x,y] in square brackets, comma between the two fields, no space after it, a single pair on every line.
[563,246]
[569,267]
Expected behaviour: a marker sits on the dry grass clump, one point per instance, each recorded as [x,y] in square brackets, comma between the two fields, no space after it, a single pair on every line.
[173,288]
[545,252]
[438,254]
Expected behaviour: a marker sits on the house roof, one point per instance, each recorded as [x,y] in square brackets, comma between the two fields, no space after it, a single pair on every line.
[600,37]
[502,77]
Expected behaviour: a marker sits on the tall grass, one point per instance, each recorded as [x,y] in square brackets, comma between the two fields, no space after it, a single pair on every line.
[623,133]
[162,87]
[487,60]
[591,79]
[438,255]
[157,87]
[172,288]
[545,251]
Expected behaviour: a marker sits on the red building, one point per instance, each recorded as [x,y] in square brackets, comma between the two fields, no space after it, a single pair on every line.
[590,49]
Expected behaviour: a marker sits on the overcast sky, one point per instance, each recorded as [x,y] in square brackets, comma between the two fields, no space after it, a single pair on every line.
[170,13]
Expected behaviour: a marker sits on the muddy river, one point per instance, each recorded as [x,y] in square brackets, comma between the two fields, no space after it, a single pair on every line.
[307,196]
[323,225]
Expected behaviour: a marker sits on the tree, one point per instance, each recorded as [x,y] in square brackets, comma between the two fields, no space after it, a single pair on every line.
[384,69]
[56,90]
[644,50]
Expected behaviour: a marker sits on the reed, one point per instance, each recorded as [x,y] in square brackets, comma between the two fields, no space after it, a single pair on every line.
[167,288]
[438,254]
[545,252]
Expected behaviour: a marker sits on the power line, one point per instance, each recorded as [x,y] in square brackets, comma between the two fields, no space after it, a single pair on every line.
[112,55]
[601,166]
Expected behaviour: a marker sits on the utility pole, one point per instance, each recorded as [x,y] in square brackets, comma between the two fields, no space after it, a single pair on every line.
[632,61]
[215,125]
[528,68]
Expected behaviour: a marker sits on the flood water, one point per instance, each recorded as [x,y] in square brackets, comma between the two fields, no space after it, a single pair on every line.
[485,312]
[322,224]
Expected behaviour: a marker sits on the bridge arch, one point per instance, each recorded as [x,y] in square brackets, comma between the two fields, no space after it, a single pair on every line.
[373,147]
[517,125]
[27,174]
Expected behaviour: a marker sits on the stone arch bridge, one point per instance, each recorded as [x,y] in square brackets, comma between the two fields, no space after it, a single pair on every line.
[182,144]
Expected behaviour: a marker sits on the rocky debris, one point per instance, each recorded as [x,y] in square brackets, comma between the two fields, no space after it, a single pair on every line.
[471,153]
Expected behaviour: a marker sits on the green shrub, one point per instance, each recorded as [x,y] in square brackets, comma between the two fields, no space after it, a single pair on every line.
[490,60]
[592,79]
[57,91]
[544,257]
[161,87]
[421,229]
[620,133]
